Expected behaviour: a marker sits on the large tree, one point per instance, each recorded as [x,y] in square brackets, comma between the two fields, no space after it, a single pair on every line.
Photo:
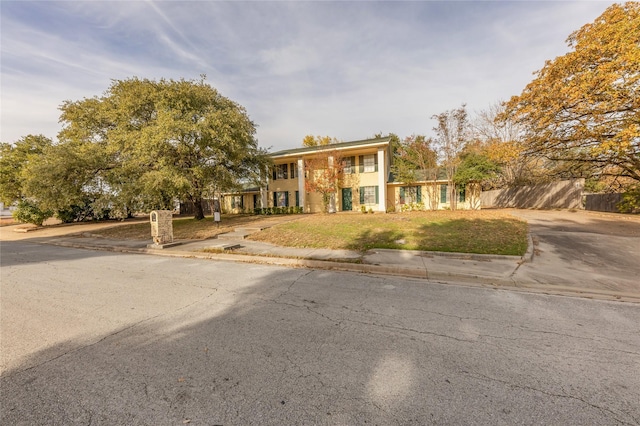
[583,108]
[452,134]
[145,143]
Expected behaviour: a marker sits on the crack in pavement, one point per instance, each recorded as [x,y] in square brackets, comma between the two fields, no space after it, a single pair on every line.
[531,388]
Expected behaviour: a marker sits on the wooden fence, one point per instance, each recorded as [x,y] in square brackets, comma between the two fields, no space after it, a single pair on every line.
[566,194]
[602,202]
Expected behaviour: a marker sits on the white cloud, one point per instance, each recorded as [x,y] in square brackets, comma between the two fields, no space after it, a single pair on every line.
[347,70]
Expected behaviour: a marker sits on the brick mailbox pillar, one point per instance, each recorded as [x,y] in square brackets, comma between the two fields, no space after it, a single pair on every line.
[161,226]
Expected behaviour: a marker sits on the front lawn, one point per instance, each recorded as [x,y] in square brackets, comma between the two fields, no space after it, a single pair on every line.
[469,231]
[183,228]
[484,231]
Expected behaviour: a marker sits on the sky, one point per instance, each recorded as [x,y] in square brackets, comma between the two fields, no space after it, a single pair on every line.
[348,70]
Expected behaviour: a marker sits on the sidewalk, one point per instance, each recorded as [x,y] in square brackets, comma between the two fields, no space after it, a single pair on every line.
[469,269]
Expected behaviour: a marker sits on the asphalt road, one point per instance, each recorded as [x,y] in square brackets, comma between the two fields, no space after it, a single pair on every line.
[103,338]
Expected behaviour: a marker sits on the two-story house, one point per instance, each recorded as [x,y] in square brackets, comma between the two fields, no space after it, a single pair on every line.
[365,180]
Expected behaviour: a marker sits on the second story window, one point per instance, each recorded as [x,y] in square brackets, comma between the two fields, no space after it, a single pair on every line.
[349,165]
[280,171]
[368,163]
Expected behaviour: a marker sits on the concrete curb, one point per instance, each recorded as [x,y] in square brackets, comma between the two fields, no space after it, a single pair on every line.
[417,273]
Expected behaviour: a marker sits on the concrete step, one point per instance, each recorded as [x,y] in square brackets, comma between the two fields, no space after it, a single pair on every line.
[249,230]
[223,246]
[235,235]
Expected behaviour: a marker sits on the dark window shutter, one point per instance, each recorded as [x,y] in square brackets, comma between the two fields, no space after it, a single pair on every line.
[275,199]
[297,198]
[402,195]
[462,194]
[286,199]
[361,195]
[284,170]
[375,161]
[275,174]
[443,193]
[419,194]
[361,163]
[377,198]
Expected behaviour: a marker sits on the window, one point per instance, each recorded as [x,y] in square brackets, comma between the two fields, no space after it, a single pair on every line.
[280,171]
[461,194]
[237,202]
[281,199]
[410,194]
[443,193]
[368,163]
[349,165]
[368,195]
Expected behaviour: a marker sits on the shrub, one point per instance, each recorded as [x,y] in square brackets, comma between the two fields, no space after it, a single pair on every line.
[28,212]
[630,200]
[371,210]
[363,209]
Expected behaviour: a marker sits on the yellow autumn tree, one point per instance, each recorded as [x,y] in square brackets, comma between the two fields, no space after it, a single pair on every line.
[311,140]
[501,141]
[583,108]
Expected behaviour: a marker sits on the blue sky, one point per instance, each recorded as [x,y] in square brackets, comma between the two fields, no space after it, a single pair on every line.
[343,69]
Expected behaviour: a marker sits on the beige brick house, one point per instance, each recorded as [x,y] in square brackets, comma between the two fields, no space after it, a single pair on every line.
[366,181]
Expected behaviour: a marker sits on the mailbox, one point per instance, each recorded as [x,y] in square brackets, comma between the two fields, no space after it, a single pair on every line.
[161,226]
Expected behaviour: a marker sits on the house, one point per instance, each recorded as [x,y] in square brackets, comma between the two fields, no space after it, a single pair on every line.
[366,180]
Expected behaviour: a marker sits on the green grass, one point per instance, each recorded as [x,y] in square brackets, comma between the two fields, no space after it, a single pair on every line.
[487,232]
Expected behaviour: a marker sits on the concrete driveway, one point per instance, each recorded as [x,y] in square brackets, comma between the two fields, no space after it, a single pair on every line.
[583,249]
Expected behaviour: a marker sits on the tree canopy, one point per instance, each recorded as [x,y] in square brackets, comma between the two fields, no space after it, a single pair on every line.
[310,140]
[14,162]
[145,143]
[583,108]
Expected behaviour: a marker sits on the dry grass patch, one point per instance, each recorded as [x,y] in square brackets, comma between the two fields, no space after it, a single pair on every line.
[183,228]
[485,231]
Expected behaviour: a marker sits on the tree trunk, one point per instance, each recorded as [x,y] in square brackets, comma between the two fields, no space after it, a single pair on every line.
[453,201]
[198,211]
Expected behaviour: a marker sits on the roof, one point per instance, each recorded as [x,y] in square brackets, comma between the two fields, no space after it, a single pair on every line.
[338,146]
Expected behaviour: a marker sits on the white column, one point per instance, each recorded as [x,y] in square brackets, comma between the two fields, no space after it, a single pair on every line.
[301,192]
[332,197]
[382,181]
[263,197]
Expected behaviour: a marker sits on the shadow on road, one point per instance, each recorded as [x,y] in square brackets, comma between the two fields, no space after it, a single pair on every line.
[288,346]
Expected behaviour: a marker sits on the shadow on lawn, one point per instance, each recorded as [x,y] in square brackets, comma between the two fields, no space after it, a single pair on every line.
[483,236]
[488,236]
[377,238]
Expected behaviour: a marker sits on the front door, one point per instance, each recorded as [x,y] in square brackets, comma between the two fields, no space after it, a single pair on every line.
[347,199]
